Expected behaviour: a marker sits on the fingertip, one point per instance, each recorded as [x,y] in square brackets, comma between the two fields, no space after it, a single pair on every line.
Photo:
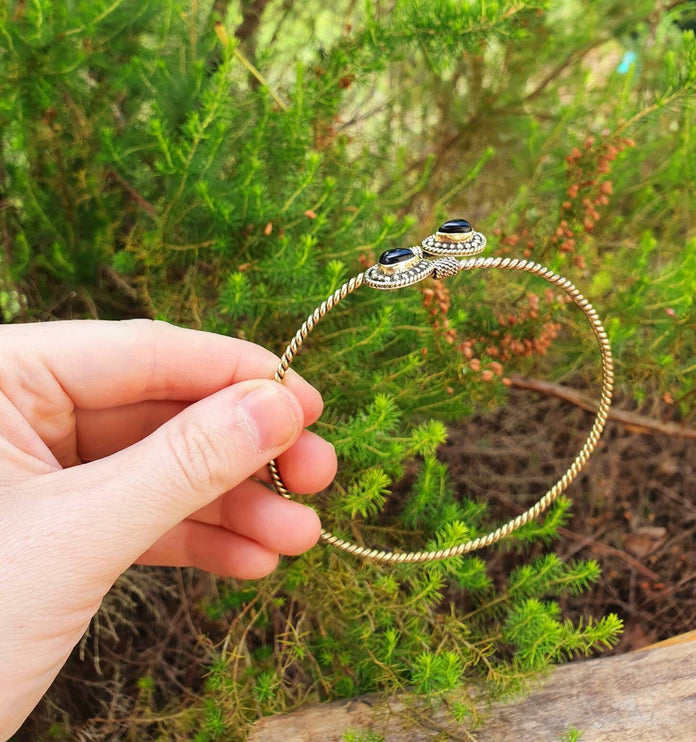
[314,406]
[309,465]
[306,535]
[259,563]
[310,397]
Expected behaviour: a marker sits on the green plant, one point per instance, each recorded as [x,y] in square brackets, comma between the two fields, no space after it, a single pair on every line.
[228,171]
[362,736]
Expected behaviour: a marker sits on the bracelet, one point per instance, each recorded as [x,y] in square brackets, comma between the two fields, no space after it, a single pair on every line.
[440,255]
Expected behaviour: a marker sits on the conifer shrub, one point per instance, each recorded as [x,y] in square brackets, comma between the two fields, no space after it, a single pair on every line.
[227,166]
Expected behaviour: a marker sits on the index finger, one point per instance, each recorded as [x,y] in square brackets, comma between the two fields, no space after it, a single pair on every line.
[102,364]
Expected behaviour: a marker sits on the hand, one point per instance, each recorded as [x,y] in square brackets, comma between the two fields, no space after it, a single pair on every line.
[136,441]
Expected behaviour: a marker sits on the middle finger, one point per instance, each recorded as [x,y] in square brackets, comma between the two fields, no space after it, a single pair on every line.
[254,511]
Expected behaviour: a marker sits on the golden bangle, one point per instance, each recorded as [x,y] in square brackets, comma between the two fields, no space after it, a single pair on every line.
[439,256]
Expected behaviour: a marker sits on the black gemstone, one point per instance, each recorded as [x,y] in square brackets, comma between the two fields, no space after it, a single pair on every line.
[395,256]
[456,226]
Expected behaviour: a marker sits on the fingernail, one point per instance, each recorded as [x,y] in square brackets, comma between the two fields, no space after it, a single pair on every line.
[273,416]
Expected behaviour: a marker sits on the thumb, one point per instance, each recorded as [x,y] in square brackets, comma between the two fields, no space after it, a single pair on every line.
[136,495]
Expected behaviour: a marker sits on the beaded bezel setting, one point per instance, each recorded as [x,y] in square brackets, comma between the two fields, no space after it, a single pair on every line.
[404,266]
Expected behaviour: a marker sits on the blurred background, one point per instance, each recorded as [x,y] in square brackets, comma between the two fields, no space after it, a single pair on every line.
[228,165]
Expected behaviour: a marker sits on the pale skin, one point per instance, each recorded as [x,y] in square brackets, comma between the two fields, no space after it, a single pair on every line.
[136,442]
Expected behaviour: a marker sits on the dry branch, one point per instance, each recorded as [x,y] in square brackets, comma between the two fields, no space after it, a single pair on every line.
[633,422]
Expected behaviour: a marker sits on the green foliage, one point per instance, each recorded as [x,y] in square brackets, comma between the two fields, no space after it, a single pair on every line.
[436,673]
[540,637]
[155,164]
[357,735]
[368,495]
[548,572]
[375,628]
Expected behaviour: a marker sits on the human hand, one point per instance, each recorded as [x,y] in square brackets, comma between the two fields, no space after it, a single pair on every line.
[136,441]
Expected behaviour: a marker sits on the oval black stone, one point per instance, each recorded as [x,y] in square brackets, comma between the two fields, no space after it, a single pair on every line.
[456,226]
[395,256]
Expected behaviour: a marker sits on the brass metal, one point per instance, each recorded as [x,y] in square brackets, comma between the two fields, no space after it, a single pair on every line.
[391,270]
[443,267]
[449,237]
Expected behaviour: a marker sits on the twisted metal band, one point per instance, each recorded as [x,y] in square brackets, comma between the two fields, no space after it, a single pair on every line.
[442,268]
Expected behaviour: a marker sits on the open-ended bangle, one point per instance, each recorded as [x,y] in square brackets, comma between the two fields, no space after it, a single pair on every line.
[446,253]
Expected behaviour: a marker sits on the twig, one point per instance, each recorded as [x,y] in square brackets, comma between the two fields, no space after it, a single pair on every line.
[144,204]
[632,421]
[114,276]
[257,74]
[598,546]
[251,19]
